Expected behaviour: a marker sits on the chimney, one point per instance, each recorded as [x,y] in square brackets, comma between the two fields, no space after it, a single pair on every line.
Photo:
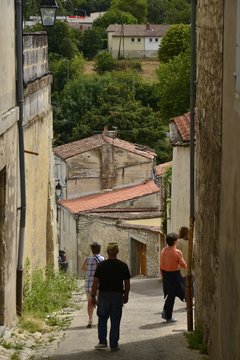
[147,26]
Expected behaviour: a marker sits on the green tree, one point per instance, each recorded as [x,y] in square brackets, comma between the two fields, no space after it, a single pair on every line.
[61,40]
[175,41]
[64,69]
[168,11]
[138,8]
[156,11]
[104,62]
[178,11]
[174,86]
[92,42]
[114,16]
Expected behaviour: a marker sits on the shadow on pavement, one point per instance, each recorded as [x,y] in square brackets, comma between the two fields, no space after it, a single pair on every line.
[154,349]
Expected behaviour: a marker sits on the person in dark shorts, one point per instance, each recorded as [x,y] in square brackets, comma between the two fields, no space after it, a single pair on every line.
[112,279]
[171,260]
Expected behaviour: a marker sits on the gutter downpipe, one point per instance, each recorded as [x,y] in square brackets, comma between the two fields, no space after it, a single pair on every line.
[20,102]
[189,287]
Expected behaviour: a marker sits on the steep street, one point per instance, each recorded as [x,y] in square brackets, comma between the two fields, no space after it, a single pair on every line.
[144,334]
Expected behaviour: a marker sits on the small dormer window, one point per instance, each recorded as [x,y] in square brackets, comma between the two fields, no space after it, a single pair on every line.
[156,40]
[132,40]
[150,39]
[139,40]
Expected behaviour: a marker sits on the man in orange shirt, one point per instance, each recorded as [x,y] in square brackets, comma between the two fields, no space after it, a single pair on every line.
[171,260]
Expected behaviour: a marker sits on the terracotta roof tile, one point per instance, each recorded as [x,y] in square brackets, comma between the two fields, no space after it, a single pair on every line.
[96,201]
[78,147]
[183,125]
[162,168]
[180,129]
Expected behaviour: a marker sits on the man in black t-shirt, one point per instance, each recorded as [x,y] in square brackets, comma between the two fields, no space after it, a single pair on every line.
[112,278]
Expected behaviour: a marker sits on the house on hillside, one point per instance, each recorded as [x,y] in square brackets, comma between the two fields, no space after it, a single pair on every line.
[180,184]
[129,216]
[33,235]
[134,40]
[99,163]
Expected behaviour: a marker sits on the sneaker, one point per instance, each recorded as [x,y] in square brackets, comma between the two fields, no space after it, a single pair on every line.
[89,325]
[115,348]
[171,320]
[100,346]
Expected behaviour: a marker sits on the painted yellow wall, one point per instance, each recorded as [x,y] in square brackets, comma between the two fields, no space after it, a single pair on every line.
[147,222]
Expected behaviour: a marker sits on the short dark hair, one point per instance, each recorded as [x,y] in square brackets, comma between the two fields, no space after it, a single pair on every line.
[171,238]
[96,248]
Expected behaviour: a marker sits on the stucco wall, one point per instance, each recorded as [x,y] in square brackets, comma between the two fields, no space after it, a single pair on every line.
[106,167]
[180,198]
[105,231]
[132,49]
[208,165]
[9,221]
[76,241]
[68,240]
[9,201]
[40,231]
[148,201]
[7,41]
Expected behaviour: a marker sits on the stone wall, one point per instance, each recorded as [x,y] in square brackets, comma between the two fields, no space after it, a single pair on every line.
[208,162]
[76,241]
[40,233]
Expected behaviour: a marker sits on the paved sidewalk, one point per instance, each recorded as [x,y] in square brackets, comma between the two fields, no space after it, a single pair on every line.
[144,335]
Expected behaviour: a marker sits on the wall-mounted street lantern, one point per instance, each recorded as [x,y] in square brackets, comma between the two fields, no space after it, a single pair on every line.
[58,190]
[48,10]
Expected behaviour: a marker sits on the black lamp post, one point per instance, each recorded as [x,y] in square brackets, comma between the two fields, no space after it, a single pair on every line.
[48,10]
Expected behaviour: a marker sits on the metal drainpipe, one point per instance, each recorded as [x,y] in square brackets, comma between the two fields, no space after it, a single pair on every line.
[192,167]
[20,102]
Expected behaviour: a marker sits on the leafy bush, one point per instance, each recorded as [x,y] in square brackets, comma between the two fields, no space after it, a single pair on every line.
[104,62]
[127,64]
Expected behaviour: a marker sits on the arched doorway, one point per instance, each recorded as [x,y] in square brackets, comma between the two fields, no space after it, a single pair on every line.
[138,258]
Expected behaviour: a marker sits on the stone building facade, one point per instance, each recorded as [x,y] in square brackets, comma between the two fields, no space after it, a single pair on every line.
[40,234]
[9,182]
[105,217]
[40,242]
[218,174]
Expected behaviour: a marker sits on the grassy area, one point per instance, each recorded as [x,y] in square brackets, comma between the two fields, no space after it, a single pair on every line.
[147,69]
[195,341]
[46,293]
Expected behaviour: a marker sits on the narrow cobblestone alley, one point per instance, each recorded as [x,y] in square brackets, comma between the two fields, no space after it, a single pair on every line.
[144,335]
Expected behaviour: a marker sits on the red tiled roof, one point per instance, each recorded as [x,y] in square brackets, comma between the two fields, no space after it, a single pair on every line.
[162,168]
[182,123]
[78,147]
[101,200]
